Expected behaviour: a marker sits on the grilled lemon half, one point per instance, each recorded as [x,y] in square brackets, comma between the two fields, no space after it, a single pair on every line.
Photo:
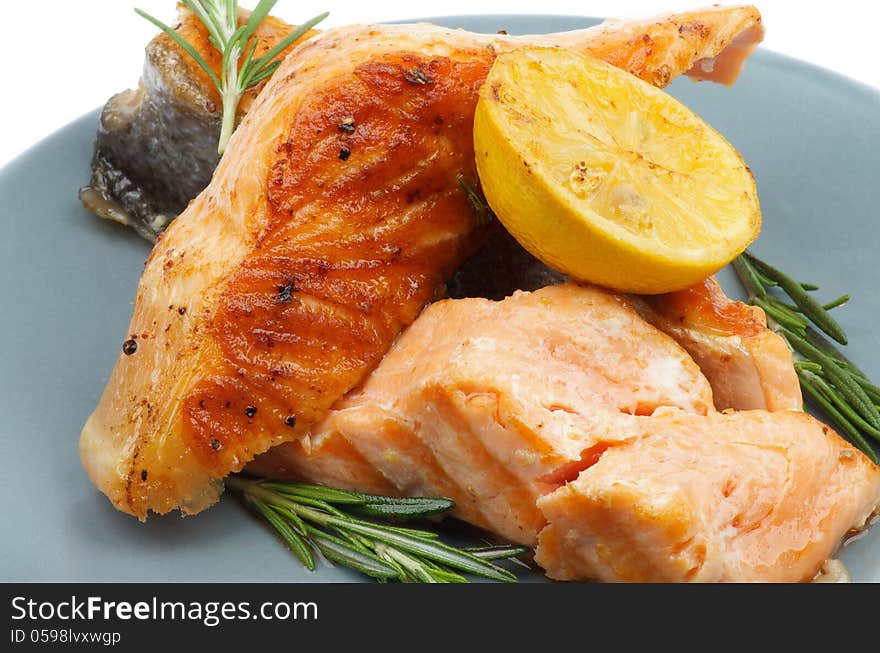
[607,178]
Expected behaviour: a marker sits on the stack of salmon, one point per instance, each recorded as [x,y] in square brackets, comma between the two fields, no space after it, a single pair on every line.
[281,322]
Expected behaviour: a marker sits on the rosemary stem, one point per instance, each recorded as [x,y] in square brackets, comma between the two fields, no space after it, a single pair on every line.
[307,520]
[846,409]
[840,301]
[809,306]
[851,391]
[821,343]
[807,383]
[410,565]
[782,314]
[870,389]
[231,93]
[748,277]
[274,499]
[230,101]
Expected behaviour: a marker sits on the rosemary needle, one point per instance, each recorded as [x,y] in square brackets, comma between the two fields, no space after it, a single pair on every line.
[239,70]
[827,377]
[313,518]
[850,391]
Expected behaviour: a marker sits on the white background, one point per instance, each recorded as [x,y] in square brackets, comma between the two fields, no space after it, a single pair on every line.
[62,58]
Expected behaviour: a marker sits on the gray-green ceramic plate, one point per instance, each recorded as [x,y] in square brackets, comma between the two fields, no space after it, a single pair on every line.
[67,281]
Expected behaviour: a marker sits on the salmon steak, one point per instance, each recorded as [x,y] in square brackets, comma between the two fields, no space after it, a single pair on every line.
[561,420]
[334,216]
[267,325]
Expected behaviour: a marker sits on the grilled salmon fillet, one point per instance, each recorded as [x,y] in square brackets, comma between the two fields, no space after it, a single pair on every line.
[751,496]
[561,419]
[332,219]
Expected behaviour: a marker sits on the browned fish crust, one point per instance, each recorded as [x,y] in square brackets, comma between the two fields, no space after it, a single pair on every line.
[356,245]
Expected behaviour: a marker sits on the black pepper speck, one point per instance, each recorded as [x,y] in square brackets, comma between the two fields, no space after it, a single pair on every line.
[215,444]
[290,420]
[129,346]
[285,292]
[416,76]
[250,411]
[143,474]
[344,153]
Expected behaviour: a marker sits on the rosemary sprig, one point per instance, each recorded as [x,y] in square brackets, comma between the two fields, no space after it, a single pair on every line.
[313,518]
[239,69]
[827,377]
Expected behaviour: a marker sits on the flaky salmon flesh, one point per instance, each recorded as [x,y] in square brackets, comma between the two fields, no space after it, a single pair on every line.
[561,420]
